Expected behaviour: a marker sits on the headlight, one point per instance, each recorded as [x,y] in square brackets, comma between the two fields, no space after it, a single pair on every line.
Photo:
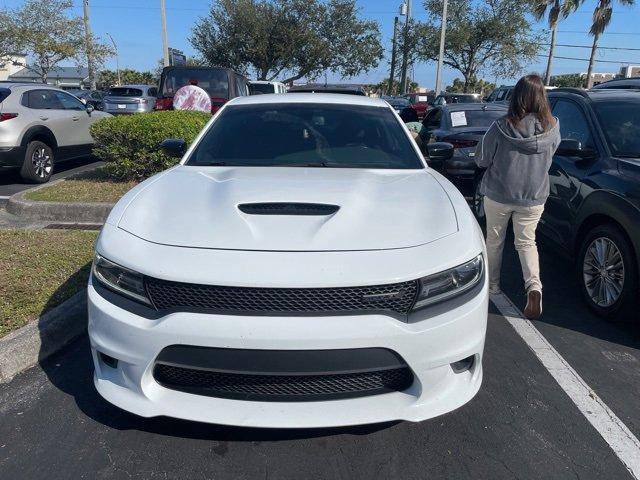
[452,282]
[120,279]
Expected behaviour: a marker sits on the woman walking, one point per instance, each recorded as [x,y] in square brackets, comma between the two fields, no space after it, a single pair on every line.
[517,151]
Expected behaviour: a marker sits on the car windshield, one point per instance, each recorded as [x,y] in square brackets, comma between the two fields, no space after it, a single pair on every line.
[474,118]
[621,124]
[4,93]
[215,81]
[306,134]
[397,101]
[124,92]
[462,99]
[261,88]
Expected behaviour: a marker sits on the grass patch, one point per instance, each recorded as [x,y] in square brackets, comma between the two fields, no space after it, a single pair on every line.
[93,186]
[40,269]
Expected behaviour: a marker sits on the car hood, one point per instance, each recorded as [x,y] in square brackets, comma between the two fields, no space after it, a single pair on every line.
[377,209]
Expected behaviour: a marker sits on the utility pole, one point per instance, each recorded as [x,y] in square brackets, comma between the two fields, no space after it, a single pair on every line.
[117,62]
[392,75]
[405,50]
[443,31]
[165,39]
[88,38]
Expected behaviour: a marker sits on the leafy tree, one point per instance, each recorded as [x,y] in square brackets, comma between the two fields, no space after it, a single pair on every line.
[491,36]
[43,30]
[555,9]
[569,80]
[474,85]
[291,38]
[382,87]
[601,18]
[6,26]
[109,78]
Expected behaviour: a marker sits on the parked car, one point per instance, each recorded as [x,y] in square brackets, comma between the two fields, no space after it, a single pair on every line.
[397,103]
[291,280]
[127,99]
[257,87]
[593,211]
[500,94]
[222,84]
[620,83]
[421,102]
[328,88]
[446,98]
[90,97]
[463,126]
[41,125]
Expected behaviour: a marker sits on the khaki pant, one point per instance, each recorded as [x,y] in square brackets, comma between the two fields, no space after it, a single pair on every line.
[525,220]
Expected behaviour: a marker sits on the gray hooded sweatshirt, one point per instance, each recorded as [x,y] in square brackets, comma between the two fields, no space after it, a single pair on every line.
[517,161]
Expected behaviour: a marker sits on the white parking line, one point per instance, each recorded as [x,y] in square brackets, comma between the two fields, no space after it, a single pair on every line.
[624,443]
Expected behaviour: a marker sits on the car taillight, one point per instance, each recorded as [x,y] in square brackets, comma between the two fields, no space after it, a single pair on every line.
[7,116]
[164,103]
[143,100]
[460,142]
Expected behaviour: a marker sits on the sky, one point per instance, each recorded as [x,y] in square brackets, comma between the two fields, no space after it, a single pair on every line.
[135,26]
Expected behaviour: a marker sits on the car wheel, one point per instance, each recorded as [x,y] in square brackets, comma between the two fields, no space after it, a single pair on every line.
[607,273]
[478,199]
[38,162]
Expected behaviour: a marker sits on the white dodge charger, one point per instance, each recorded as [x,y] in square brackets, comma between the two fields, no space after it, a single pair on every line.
[301,267]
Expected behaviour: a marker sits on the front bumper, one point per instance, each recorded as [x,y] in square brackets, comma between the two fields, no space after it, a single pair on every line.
[12,156]
[429,347]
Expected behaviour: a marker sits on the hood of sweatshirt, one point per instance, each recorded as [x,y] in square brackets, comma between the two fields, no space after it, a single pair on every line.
[528,136]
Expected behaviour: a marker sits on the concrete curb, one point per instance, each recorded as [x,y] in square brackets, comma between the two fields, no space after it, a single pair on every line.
[57,211]
[42,337]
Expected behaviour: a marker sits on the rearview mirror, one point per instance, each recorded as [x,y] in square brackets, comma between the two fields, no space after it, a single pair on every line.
[438,153]
[174,147]
[89,108]
[570,147]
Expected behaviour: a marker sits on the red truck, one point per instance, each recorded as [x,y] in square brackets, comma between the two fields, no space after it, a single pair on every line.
[421,102]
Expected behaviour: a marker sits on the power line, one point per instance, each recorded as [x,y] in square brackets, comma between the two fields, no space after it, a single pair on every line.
[591,46]
[618,62]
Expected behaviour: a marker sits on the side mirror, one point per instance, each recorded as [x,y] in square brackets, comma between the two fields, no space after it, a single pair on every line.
[438,153]
[174,147]
[89,108]
[570,147]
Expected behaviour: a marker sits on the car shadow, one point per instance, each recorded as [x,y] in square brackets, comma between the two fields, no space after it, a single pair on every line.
[71,371]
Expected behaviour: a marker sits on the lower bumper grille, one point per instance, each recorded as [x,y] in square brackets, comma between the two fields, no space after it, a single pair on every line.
[283,375]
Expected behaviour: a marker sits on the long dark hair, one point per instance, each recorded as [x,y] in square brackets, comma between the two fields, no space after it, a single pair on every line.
[529,96]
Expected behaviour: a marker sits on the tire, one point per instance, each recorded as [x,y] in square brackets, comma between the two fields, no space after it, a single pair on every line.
[38,162]
[477,202]
[607,273]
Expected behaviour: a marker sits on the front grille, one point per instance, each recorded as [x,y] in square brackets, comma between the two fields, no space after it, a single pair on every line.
[282,387]
[397,297]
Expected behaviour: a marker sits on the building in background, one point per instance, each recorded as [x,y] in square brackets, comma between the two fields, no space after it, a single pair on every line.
[64,77]
[11,64]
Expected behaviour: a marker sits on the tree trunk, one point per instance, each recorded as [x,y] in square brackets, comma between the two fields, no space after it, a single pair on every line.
[547,76]
[592,59]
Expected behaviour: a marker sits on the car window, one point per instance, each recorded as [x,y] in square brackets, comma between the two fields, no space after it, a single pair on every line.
[69,102]
[433,119]
[307,134]
[215,81]
[42,100]
[4,93]
[573,124]
[258,88]
[501,95]
[124,92]
[621,124]
[152,92]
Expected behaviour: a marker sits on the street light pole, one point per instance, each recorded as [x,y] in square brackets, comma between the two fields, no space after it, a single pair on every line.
[165,39]
[88,38]
[117,62]
[443,31]
[392,74]
[405,50]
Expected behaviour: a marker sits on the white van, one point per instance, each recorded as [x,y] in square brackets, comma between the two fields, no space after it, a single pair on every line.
[258,87]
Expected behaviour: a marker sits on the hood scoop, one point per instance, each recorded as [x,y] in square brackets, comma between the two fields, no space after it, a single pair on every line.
[281,208]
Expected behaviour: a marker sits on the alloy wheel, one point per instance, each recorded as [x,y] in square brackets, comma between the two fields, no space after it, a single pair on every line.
[42,163]
[603,272]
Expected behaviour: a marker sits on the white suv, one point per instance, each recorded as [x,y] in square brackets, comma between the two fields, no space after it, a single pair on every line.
[41,125]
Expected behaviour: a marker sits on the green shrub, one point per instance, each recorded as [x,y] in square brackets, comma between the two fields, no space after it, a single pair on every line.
[130,144]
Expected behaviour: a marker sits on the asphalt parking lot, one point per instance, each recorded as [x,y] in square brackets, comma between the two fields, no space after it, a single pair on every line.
[521,424]
[10,181]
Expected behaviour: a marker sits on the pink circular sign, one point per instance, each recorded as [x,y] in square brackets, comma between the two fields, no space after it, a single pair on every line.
[192,97]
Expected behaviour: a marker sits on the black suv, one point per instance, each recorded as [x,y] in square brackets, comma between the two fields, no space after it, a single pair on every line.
[593,211]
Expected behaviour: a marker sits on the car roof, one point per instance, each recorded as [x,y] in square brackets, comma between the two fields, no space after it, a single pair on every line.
[11,83]
[320,87]
[326,98]
[133,85]
[597,95]
[454,107]
[266,82]
[632,81]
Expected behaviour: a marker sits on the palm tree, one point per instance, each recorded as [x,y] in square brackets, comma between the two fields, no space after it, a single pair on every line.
[555,9]
[601,19]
